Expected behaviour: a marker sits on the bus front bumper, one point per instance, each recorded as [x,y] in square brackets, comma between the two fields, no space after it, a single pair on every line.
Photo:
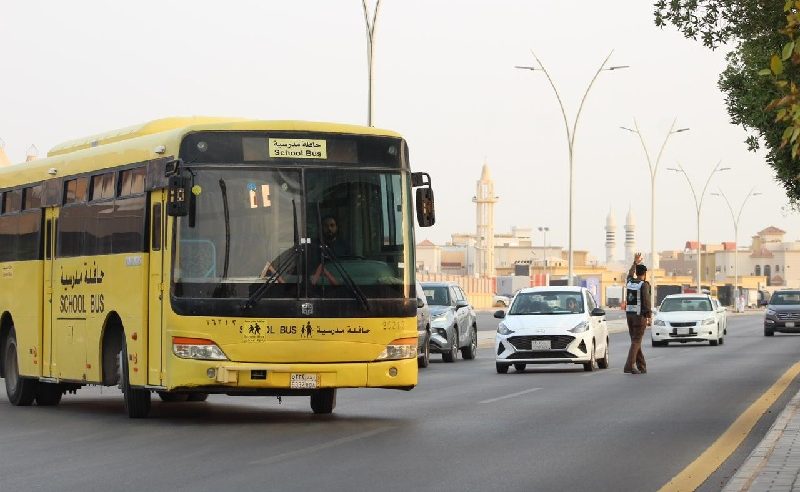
[226,376]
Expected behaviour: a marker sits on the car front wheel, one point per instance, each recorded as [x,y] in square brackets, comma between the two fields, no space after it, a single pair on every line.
[604,362]
[501,368]
[592,364]
[471,351]
[452,354]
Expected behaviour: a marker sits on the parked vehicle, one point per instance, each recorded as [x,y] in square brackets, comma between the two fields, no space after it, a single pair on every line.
[454,326]
[551,325]
[783,313]
[687,318]
[423,329]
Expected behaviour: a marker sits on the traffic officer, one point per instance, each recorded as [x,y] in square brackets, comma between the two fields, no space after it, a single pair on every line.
[638,314]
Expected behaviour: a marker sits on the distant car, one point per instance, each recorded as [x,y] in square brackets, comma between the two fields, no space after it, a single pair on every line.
[550,325]
[501,300]
[423,329]
[687,318]
[783,313]
[454,326]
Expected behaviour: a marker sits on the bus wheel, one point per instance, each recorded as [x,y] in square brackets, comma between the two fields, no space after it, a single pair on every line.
[173,397]
[323,401]
[49,394]
[198,396]
[137,401]
[21,391]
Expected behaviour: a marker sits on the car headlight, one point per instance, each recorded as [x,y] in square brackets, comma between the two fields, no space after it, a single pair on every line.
[439,318]
[580,327]
[503,329]
[659,322]
[197,348]
[771,312]
[709,321]
[402,348]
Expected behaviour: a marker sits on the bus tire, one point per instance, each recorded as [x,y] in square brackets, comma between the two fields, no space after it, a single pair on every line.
[197,396]
[21,391]
[49,394]
[323,401]
[137,401]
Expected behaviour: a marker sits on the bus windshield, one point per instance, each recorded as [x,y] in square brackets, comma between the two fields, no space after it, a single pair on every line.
[307,232]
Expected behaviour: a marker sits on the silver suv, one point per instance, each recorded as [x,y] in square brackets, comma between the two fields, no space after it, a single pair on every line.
[454,325]
[783,313]
[423,329]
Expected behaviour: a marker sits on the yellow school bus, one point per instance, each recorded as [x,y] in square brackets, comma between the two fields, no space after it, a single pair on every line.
[194,256]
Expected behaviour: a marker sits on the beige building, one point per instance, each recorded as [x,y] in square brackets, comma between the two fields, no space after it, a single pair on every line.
[4,160]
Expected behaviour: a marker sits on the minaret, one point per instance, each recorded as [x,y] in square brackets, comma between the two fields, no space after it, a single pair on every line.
[484,200]
[611,237]
[32,154]
[4,161]
[630,236]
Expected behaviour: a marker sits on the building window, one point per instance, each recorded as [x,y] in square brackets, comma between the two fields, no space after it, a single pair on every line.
[758,270]
[777,268]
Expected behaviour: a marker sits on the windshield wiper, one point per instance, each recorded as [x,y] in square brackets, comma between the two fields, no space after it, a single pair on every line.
[297,252]
[327,252]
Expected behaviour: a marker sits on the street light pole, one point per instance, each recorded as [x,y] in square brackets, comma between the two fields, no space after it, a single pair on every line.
[698,203]
[735,218]
[571,137]
[544,231]
[370,26]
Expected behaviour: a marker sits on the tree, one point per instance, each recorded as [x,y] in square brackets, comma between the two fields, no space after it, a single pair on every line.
[755,31]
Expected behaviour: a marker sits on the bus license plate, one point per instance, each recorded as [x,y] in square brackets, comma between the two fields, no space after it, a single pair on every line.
[540,345]
[303,381]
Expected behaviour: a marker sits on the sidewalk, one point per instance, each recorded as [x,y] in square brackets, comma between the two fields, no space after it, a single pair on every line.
[774,465]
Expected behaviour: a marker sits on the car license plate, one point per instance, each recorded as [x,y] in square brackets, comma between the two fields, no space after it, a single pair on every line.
[683,331]
[540,344]
[790,324]
[303,381]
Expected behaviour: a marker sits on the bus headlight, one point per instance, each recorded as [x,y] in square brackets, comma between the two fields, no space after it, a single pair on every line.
[197,348]
[402,348]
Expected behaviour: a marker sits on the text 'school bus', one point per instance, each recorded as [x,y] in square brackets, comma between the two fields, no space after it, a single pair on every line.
[190,256]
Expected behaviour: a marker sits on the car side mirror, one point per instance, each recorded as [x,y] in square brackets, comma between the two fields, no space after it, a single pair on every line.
[598,312]
[500,314]
[420,303]
[461,304]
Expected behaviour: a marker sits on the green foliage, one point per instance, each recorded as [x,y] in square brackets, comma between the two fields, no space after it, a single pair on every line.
[762,100]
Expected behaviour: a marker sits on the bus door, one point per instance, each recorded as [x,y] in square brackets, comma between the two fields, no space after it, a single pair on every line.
[46,357]
[157,289]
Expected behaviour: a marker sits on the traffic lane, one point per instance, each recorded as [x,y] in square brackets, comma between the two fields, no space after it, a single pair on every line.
[557,427]
[487,322]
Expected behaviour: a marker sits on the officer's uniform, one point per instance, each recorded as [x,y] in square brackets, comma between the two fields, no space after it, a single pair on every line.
[637,299]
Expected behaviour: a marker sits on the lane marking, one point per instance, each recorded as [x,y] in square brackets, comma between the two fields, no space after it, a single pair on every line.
[512,395]
[320,447]
[707,463]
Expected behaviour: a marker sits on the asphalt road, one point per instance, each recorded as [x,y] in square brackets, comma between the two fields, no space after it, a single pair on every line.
[463,428]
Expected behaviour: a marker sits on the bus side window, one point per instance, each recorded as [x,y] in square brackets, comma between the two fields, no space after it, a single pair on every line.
[156,228]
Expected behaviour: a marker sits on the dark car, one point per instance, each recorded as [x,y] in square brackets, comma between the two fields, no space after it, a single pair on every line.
[783,313]
[423,329]
[454,325]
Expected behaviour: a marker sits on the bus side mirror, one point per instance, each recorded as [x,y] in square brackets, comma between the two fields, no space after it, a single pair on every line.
[178,192]
[426,215]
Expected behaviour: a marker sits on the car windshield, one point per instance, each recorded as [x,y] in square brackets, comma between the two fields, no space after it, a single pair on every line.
[437,296]
[685,304]
[785,298]
[547,303]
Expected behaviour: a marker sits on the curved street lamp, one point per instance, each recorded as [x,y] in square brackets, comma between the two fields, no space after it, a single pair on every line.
[698,203]
[370,26]
[571,135]
[735,218]
[544,231]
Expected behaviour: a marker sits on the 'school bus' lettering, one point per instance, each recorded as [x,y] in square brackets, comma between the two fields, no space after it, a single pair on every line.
[243,286]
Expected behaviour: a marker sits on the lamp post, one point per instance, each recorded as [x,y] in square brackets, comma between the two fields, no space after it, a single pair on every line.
[571,135]
[735,218]
[698,203]
[370,26]
[544,231]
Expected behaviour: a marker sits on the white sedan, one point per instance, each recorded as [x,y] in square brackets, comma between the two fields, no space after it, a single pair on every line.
[552,325]
[689,318]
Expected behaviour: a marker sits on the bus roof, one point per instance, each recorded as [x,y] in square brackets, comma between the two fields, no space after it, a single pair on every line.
[139,143]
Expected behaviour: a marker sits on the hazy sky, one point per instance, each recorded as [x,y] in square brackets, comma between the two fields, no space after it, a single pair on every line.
[444,79]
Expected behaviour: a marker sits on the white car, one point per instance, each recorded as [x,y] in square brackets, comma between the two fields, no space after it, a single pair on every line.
[552,325]
[689,318]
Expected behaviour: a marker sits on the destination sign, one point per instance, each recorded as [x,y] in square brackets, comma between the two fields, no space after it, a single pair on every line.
[298,148]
